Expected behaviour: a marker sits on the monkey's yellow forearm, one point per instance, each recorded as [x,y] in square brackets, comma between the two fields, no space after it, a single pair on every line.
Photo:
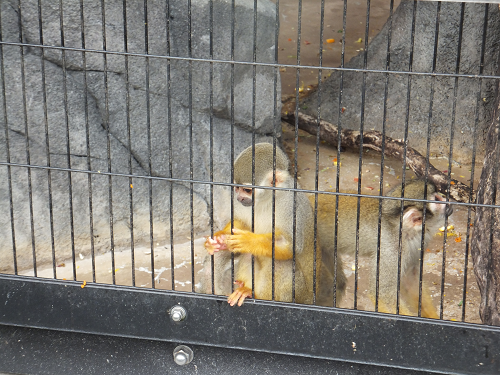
[227,229]
[243,241]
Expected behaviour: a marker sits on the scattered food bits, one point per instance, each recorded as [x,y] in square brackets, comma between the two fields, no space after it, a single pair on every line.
[458,239]
[449,227]
[368,188]
[81,256]
[289,39]
[131,186]
[452,182]
[342,110]
[331,40]
[83,284]
[306,42]
[360,40]
[356,179]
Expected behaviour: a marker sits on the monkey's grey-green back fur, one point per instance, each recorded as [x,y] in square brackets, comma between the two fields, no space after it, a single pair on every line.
[263,164]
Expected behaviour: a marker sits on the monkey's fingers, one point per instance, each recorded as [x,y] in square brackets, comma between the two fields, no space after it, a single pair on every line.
[211,245]
[239,243]
[239,296]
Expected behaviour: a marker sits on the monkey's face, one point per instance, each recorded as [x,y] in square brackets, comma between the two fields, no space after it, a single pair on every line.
[435,213]
[243,195]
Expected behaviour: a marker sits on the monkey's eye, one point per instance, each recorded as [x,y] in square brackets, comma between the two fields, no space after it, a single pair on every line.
[247,190]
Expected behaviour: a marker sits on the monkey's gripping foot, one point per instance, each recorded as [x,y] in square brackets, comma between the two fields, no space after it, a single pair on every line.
[240,294]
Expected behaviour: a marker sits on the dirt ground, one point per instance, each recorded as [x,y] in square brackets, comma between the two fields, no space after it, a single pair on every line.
[444,262]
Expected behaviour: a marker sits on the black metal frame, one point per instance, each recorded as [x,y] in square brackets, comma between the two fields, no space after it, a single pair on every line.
[271,327]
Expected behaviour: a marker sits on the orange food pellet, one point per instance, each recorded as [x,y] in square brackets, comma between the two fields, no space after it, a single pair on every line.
[83,285]
[330,40]
[458,239]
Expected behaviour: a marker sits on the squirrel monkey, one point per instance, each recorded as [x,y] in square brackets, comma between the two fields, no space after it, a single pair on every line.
[259,242]
[411,239]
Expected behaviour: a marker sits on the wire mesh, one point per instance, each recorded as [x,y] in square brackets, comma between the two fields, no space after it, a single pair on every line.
[121,130]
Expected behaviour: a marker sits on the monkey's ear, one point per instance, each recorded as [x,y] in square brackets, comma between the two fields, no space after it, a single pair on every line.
[281,177]
[412,218]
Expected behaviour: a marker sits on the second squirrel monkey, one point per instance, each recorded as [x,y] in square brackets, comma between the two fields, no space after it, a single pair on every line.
[411,238]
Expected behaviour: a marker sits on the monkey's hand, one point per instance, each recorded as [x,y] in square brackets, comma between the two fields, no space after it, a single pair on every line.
[244,241]
[217,243]
[239,295]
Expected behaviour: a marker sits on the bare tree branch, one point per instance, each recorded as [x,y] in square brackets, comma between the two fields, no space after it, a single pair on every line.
[393,147]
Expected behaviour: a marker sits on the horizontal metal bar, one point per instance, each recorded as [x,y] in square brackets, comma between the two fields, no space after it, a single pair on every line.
[468,1]
[235,62]
[42,350]
[213,183]
[352,336]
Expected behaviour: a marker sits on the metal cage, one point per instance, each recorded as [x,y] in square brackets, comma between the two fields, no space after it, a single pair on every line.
[120,125]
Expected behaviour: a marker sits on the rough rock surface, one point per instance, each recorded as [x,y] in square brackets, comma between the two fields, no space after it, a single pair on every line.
[442,122]
[126,115]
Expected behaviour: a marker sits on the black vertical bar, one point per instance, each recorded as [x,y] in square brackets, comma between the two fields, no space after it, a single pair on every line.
[296,145]
[275,136]
[316,175]
[360,163]
[473,160]
[427,163]
[148,126]
[211,85]
[47,143]
[450,158]
[108,134]
[170,151]
[339,142]
[254,73]
[190,104]
[405,139]
[382,154]
[68,145]
[7,152]
[87,140]
[233,22]
[26,134]
[129,144]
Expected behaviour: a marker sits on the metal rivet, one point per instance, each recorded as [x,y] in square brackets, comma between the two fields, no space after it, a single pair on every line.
[178,313]
[183,355]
